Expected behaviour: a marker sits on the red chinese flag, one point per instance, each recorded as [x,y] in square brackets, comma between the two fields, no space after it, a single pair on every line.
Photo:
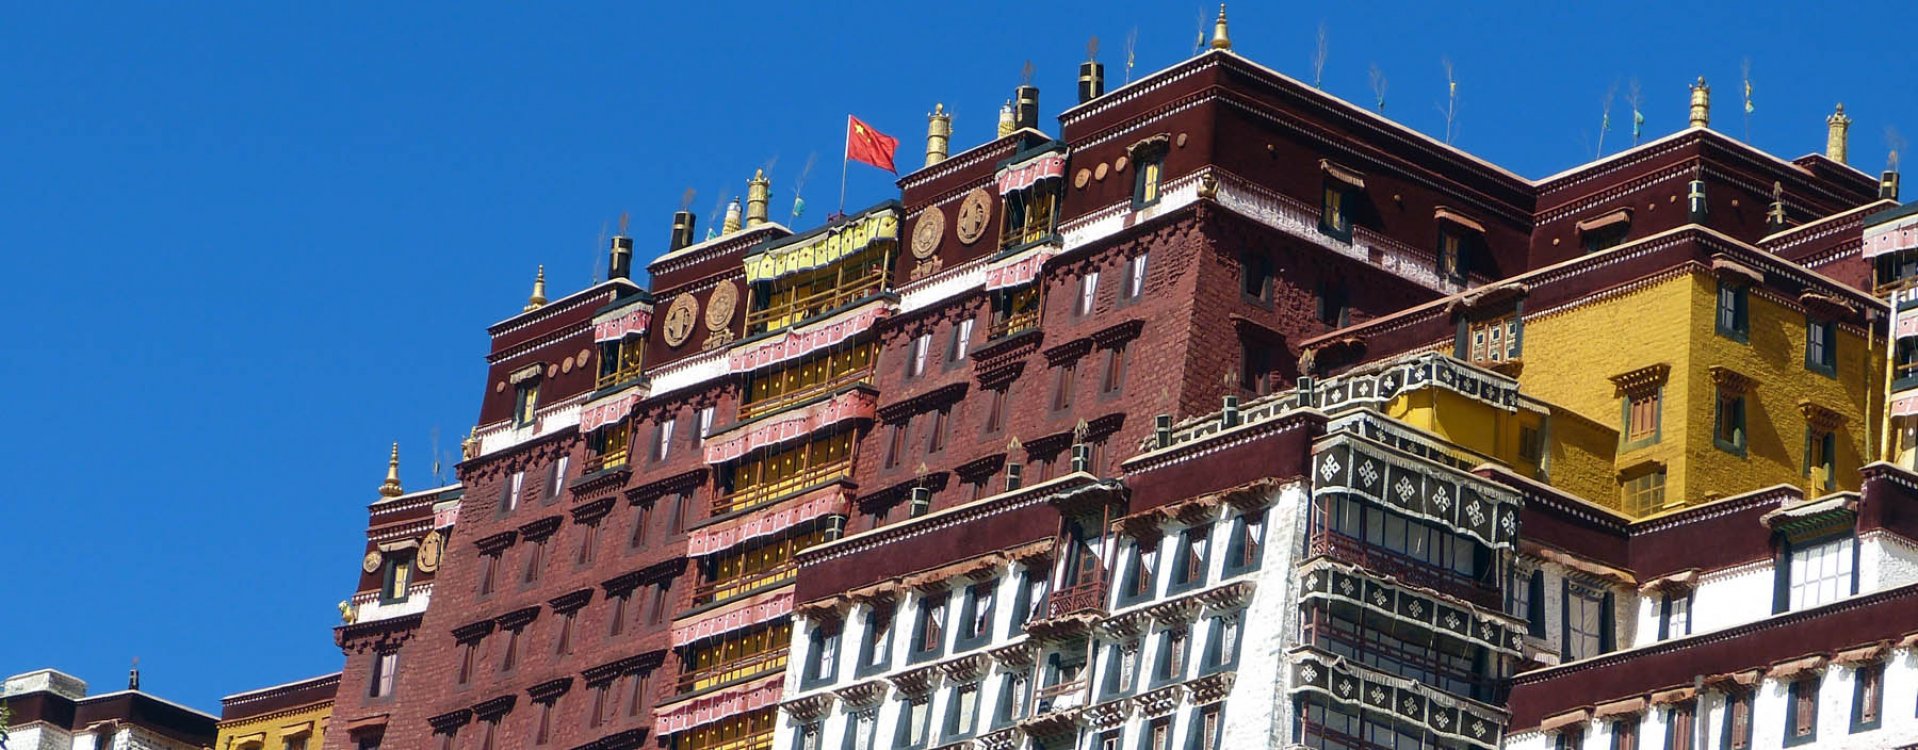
[863,144]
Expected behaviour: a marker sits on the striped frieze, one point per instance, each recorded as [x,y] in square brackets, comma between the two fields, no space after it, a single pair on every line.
[1407,701]
[1345,464]
[1324,580]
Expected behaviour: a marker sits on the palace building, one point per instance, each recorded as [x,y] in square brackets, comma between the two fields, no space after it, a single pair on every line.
[1216,411]
[48,709]
[292,716]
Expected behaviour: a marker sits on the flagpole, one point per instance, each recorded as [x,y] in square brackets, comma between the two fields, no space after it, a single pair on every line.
[842,167]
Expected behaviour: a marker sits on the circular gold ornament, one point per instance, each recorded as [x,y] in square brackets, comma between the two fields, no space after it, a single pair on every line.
[584,355]
[552,371]
[566,365]
[1181,140]
[1079,180]
[974,213]
[719,306]
[1118,165]
[679,319]
[927,232]
[428,559]
[1100,172]
[499,387]
[371,562]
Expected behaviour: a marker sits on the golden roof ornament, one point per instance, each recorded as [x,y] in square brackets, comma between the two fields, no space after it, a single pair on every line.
[538,298]
[1837,128]
[938,134]
[391,487]
[469,447]
[1219,38]
[1006,123]
[731,224]
[1701,115]
[759,191]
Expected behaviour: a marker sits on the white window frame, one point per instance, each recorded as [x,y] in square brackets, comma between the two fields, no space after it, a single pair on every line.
[1088,292]
[921,348]
[1821,573]
[1135,283]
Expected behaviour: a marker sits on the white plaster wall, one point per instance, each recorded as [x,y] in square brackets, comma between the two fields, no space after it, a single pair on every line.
[40,737]
[1259,712]
[1885,560]
[1730,597]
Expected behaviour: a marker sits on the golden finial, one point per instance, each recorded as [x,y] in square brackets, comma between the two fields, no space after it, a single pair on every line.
[1013,445]
[1701,104]
[1006,123]
[538,299]
[1837,126]
[1219,38]
[731,224]
[938,134]
[391,487]
[1775,215]
[469,448]
[759,191]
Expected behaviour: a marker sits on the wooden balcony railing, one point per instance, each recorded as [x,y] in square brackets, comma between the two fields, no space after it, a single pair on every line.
[1018,322]
[779,401]
[719,591]
[606,461]
[1081,598]
[743,668]
[1026,235]
[626,372]
[762,741]
[1415,572]
[760,321]
[759,494]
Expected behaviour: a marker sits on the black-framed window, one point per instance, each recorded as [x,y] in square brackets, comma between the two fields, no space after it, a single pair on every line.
[1114,380]
[1821,346]
[1525,599]
[1737,734]
[1675,614]
[1146,173]
[875,647]
[1451,254]
[1141,573]
[1246,547]
[1258,367]
[1733,317]
[386,668]
[510,492]
[961,342]
[1222,643]
[929,627]
[1728,421]
[1625,733]
[1335,209]
[861,730]
[1905,363]
[396,576]
[1031,601]
[1088,298]
[1256,276]
[1801,712]
[1569,738]
[1586,621]
[1121,670]
[1132,281]
[1605,237]
[1063,376]
[1189,567]
[1821,457]
[1174,653]
[1867,697]
[1680,722]
[976,613]
[525,401]
[1815,572]
[807,736]
[822,654]
[915,722]
[918,355]
[962,711]
[556,478]
[1206,729]
[1015,696]
[1333,309]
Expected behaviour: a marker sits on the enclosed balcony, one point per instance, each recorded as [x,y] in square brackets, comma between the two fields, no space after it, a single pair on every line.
[768,475]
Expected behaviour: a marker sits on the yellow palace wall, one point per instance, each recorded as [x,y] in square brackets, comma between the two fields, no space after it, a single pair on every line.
[270,731]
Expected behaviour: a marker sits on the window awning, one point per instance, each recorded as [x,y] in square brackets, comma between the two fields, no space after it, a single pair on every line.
[1565,720]
[1019,269]
[792,424]
[1615,709]
[822,502]
[740,614]
[609,409]
[1789,670]
[1024,174]
[803,340]
[1891,237]
[614,329]
[1342,174]
[1446,214]
[1621,216]
[707,709]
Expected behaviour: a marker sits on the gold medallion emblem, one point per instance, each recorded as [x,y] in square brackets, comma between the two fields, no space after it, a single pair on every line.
[974,213]
[371,563]
[679,319]
[926,233]
[719,306]
[430,549]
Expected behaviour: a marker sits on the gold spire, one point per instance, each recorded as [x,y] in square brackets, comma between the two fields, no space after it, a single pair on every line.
[759,190]
[938,134]
[1219,38]
[538,299]
[1701,104]
[391,487]
[731,224]
[1836,128]
[1006,123]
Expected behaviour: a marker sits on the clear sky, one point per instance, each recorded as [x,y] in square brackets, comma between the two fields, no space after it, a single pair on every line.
[248,245]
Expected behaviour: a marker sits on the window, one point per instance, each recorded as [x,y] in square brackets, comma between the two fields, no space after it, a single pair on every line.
[636,701]
[977,622]
[1032,597]
[916,360]
[1728,421]
[1817,574]
[543,730]
[1172,654]
[598,712]
[617,617]
[1738,721]
[1206,730]
[1534,611]
[642,513]
[1145,185]
[1675,615]
[1605,237]
[1821,346]
[1867,696]
[469,650]
[1531,444]
[1190,567]
[1158,734]
[1334,216]
[705,424]
[1801,713]
[1821,451]
[510,492]
[1732,322]
[995,409]
[936,440]
[1248,539]
[1257,368]
[1132,285]
[1139,577]
[1586,627]
[663,439]
[556,478]
[1223,649]
[1255,275]
[510,656]
[661,595]
[1114,379]
[563,642]
[397,576]
[1451,255]
[1088,293]
[931,629]
[489,730]
[1625,733]
[962,710]
[915,717]
[822,653]
[1062,385]
[1569,738]
[1333,310]
[876,649]
[588,541]
[1491,341]
[385,664]
[534,552]
[961,341]
[1644,494]
[294,743]
[525,401]
[1642,416]
[489,571]
[676,522]
[1014,691]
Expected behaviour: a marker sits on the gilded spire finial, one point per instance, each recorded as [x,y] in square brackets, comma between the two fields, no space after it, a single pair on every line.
[1701,115]
[538,298]
[1837,128]
[938,134]
[1006,122]
[391,487]
[731,224]
[1219,38]
[759,192]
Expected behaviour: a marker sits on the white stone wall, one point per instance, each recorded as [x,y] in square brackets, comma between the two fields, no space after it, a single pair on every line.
[40,737]
[1261,714]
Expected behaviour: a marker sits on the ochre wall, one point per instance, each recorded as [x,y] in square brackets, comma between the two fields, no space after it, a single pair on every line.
[272,724]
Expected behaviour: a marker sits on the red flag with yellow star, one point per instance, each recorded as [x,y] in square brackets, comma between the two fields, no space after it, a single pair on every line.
[863,144]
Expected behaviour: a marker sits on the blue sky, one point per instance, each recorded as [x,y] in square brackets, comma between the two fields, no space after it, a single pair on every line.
[248,245]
